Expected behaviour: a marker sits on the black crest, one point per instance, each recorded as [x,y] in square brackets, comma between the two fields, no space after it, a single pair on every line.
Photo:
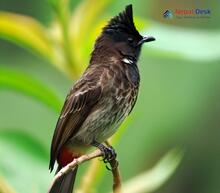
[123,22]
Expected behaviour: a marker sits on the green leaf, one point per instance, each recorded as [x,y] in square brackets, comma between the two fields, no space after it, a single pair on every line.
[151,180]
[85,15]
[53,3]
[57,4]
[193,44]
[5,187]
[23,163]
[27,85]
[26,32]
[84,20]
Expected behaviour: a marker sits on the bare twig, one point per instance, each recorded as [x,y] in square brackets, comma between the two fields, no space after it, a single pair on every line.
[116,173]
[116,176]
[87,157]
[69,167]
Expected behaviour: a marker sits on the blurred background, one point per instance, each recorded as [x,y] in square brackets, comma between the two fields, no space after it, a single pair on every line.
[171,139]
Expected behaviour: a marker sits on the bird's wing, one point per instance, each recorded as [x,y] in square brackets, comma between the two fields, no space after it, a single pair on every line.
[79,103]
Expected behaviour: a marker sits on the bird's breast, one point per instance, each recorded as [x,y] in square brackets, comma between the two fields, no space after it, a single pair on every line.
[118,98]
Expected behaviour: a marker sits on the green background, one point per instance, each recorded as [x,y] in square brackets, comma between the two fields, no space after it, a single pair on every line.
[178,106]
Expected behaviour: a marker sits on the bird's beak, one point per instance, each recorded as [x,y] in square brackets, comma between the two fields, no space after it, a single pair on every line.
[146,39]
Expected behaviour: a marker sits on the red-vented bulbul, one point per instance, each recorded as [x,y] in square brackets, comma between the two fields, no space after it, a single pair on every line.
[101,99]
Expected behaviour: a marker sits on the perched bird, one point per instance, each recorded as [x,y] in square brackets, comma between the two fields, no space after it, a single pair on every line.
[101,99]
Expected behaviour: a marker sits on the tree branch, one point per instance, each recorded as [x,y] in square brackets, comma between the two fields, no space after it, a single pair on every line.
[116,176]
[87,157]
[116,173]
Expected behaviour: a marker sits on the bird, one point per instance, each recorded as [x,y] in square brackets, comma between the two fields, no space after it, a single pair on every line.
[101,99]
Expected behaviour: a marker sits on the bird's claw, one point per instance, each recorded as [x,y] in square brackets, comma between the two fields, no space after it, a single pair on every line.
[108,154]
[112,167]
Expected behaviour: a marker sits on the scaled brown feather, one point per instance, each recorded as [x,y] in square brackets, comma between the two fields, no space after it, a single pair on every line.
[78,104]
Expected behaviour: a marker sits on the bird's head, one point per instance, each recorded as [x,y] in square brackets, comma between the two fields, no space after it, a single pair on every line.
[121,34]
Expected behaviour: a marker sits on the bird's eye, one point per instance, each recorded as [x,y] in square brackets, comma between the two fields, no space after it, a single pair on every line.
[130,40]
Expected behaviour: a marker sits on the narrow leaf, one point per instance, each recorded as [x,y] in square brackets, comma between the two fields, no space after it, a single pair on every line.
[26,32]
[27,85]
[5,187]
[25,171]
[83,22]
[193,44]
[151,180]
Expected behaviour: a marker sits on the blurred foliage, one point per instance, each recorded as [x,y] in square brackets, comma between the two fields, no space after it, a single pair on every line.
[26,32]
[177,107]
[151,180]
[29,86]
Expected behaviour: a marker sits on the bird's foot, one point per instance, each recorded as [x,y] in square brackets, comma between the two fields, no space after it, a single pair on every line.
[108,152]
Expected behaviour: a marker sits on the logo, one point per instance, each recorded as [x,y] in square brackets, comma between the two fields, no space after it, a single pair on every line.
[168,14]
[187,13]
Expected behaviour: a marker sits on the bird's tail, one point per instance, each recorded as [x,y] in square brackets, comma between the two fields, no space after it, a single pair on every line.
[65,183]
